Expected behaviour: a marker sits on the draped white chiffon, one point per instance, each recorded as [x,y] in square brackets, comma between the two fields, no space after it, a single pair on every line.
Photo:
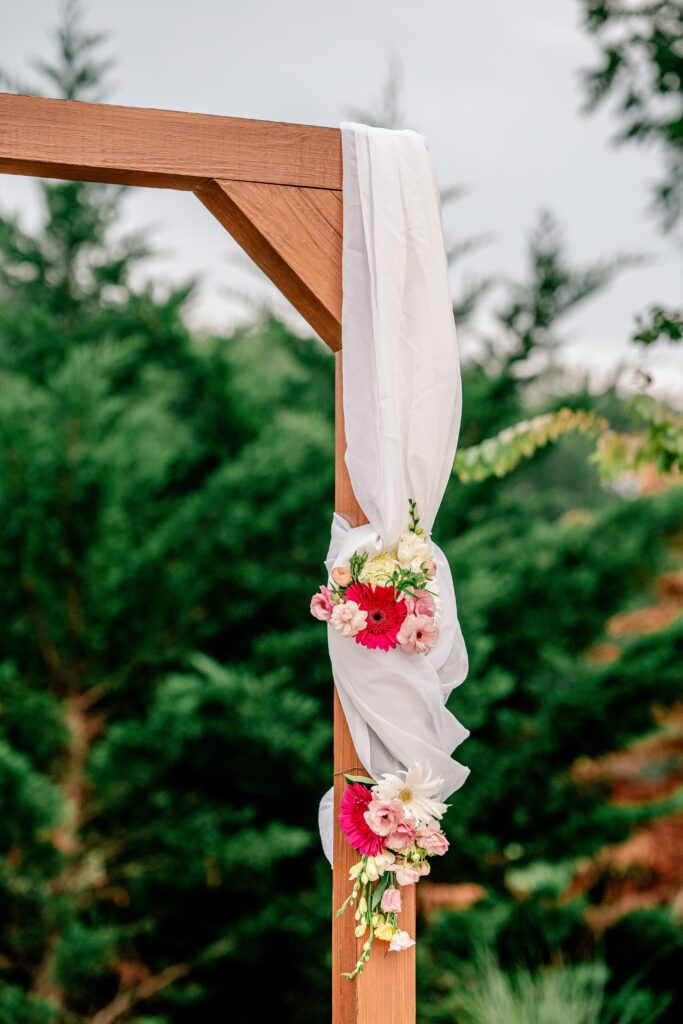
[402,405]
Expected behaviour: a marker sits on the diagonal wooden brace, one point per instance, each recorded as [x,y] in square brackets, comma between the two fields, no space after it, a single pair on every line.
[294,234]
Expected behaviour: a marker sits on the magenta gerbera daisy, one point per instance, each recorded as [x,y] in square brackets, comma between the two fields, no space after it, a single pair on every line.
[352,807]
[385,615]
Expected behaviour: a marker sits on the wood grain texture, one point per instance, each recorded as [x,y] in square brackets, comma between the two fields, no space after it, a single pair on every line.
[385,992]
[160,148]
[294,235]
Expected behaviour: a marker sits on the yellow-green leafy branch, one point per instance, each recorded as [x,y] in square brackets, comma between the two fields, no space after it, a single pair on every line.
[659,444]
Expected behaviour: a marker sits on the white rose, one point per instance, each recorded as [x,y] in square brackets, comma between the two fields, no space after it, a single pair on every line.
[413,550]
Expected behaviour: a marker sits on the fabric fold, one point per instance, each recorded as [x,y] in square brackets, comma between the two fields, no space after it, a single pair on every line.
[402,406]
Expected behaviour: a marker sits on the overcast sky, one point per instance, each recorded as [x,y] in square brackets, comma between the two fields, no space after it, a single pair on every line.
[494,86]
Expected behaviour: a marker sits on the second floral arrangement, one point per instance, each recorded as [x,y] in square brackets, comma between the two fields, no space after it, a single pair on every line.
[395,826]
[386,602]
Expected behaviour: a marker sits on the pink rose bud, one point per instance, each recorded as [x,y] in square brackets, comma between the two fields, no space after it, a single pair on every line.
[402,837]
[430,569]
[401,940]
[341,576]
[321,605]
[432,841]
[392,901]
[408,875]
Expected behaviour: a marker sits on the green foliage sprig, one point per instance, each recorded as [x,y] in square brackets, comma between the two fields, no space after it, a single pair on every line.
[659,324]
[408,581]
[357,564]
[499,455]
[659,444]
[414,526]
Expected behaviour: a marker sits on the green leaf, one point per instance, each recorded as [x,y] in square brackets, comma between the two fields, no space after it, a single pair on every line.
[364,780]
[380,889]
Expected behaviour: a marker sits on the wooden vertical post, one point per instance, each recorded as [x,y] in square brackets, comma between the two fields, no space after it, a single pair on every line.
[385,992]
[276,187]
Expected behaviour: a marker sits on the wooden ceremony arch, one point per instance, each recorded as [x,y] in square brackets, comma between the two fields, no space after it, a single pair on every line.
[277,189]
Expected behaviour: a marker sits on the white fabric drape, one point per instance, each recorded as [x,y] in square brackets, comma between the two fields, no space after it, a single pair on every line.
[402,404]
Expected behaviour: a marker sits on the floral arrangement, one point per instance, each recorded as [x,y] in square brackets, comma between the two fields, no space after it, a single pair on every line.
[394,826]
[388,601]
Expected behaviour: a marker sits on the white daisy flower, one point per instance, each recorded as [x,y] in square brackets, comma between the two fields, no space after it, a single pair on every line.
[416,788]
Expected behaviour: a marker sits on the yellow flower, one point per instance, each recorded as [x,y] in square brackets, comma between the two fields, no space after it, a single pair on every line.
[385,932]
[361,929]
[362,906]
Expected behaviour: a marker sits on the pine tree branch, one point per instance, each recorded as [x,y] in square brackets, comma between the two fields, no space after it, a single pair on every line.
[67,837]
[151,986]
[126,1000]
[48,651]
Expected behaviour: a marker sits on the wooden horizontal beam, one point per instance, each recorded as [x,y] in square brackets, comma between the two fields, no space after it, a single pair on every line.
[160,148]
[295,236]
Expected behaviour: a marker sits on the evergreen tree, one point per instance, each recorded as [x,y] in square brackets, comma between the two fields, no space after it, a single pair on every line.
[165,701]
[641,68]
[160,495]
[541,560]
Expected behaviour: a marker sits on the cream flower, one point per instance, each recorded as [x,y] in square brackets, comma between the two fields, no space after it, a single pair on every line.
[413,550]
[417,790]
[379,569]
[384,861]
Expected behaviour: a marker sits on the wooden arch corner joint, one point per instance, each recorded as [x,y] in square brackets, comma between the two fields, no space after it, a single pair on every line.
[294,234]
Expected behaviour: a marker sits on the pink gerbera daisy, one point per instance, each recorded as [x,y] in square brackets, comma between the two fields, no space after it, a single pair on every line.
[385,615]
[352,807]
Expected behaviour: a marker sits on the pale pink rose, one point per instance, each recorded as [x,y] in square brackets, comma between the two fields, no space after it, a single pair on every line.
[321,605]
[430,569]
[407,874]
[384,817]
[432,841]
[417,634]
[341,576]
[422,604]
[392,901]
[402,837]
[399,941]
[348,618]
[425,605]
[424,868]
